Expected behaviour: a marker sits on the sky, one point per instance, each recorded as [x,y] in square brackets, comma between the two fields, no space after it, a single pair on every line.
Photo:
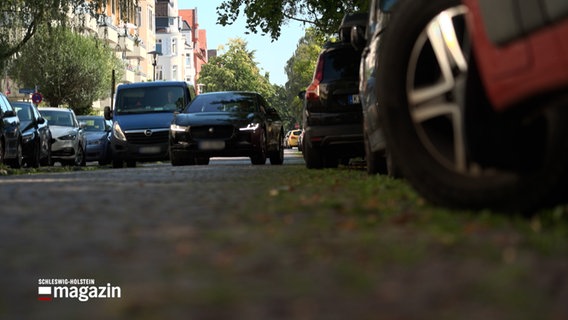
[270,56]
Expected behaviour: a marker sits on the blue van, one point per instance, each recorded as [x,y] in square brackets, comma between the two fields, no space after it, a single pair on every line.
[141,117]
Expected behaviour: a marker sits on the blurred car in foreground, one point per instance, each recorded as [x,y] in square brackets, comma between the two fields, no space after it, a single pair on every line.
[36,135]
[10,135]
[474,97]
[97,134]
[68,146]
[227,124]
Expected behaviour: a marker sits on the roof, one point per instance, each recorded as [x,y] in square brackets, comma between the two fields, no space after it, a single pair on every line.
[153,84]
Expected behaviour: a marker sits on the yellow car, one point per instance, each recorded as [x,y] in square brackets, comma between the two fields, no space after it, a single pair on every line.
[293,138]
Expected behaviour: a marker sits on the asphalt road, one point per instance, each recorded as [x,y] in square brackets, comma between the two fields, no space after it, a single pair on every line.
[108,228]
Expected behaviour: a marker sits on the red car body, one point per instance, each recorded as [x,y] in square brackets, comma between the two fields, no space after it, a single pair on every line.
[527,57]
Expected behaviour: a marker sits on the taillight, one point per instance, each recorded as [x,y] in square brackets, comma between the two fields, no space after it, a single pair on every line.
[312,92]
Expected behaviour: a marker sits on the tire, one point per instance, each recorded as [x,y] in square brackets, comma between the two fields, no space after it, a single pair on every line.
[202,160]
[47,161]
[116,163]
[313,157]
[376,162]
[178,159]
[34,160]
[17,162]
[447,141]
[80,160]
[259,158]
[277,156]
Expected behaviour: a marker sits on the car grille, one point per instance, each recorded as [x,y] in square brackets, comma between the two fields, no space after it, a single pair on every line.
[140,137]
[212,132]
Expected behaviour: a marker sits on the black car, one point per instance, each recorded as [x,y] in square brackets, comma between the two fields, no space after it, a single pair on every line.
[10,135]
[36,135]
[227,124]
[332,116]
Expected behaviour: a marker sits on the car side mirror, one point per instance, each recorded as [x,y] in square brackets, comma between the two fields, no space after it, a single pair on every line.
[9,113]
[358,39]
[107,113]
[302,95]
[41,120]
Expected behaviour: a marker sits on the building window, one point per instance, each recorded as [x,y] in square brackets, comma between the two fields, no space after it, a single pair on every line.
[174,46]
[174,72]
[150,19]
[188,60]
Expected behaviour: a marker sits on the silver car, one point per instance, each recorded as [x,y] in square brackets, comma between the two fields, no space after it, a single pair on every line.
[68,146]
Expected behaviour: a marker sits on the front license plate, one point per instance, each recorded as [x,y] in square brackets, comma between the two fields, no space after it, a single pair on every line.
[212,145]
[354,99]
[149,150]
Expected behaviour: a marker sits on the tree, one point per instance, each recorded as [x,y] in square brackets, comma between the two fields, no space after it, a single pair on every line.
[69,68]
[269,16]
[21,19]
[235,69]
[300,69]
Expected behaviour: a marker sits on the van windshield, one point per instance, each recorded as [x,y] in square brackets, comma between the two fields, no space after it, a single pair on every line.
[150,100]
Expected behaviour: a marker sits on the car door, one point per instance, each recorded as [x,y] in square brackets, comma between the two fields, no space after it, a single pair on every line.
[10,128]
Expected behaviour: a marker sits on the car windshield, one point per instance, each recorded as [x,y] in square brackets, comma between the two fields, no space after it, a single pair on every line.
[93,124]
[149,100]
[24,112]
[58,118]
[341,64]
[223,102]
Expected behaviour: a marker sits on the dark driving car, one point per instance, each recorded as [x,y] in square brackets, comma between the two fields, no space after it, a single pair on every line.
[36,135]
[10,135]
[97,134]
[227,124]
[332,116]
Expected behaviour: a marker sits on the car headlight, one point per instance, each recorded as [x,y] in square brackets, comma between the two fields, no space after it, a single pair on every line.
[117,132]
[178,128]
[28,136]
[250,127]
[70,136]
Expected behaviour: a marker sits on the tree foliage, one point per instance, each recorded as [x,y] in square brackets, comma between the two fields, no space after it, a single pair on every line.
[69,68]
[21,19]
[235,69]
[299,70]
[269,16]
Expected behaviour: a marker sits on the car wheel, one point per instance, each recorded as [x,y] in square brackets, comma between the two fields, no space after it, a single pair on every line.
[277,156]
[202,160]
[177,159]
[79,158]
[116,163]
[17,162]
[312,157]
[47,161]
[260,155]
[1,152]
[442,132]
[34,160]
[376,162]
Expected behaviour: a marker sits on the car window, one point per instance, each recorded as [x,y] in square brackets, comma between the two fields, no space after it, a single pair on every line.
[341,64]
[94,124]
[150,99]
[58,118]
[229,102]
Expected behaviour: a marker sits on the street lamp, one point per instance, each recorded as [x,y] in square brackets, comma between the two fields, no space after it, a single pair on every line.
[155,55]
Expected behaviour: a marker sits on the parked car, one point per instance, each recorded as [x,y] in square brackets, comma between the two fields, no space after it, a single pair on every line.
[142,114]
[473,97]
[332,115]
[227,124]
[367,38]
[68,147]
[11,150]
[293,138]
[36,134]
[97,133]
